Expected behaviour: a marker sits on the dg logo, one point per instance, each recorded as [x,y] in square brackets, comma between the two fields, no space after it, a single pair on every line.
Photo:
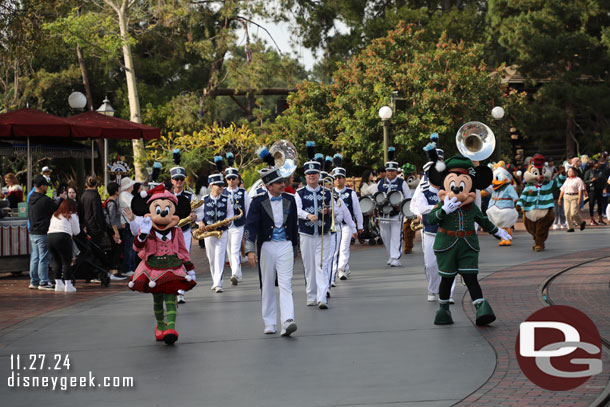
[559,348]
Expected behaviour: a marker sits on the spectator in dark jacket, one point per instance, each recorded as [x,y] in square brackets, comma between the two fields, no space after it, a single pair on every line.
[595,179]
[91,213]
[40,210]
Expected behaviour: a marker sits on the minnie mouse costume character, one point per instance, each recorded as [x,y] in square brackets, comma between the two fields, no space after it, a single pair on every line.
[456,244]
[166,266]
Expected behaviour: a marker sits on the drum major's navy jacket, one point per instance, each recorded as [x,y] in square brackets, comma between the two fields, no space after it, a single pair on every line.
[260,223]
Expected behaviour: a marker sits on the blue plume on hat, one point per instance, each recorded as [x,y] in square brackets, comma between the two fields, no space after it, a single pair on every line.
[156,171]
[230,159]
[219,162]
[391,154]
[337,160]
[328,163]
[432,153]
[177,156]
[319,158]
[264,154]
[434,137]
[311,149]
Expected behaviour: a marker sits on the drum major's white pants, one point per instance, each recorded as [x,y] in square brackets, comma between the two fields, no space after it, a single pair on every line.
[276,258]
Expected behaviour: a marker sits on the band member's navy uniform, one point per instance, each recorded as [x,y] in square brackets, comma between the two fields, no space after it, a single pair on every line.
[311,201]
[390,226]
[216,209]
[239,200]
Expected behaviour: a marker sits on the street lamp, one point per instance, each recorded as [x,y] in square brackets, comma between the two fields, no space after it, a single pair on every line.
[77,101]
[107,110]
[498,113]
[385,113]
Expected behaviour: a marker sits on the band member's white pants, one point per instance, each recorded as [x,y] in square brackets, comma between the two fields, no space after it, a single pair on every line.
[216,249]
[390,234]
[276,258]
[331,266]
[434,279]
[316,278]
[344,248]
[188,239]
[234,237]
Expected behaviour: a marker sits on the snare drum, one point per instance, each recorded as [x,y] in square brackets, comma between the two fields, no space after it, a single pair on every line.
[405,209]
[367,205]
[395,198]
[380,198]
[387,209]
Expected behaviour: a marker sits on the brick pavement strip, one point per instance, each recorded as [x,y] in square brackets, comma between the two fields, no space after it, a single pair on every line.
[513,294]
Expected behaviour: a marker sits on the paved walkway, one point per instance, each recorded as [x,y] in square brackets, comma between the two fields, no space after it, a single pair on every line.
[375,346]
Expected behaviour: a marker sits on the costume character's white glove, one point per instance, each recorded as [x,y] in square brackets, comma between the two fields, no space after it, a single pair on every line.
[145,225]
[450,205]
[503,235]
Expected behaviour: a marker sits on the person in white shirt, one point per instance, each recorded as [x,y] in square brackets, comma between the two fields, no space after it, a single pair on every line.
[240,200]
[64,224]
[390,225]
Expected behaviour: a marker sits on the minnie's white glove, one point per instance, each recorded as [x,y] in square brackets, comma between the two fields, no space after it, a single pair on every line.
[145,225]
[192,274]
[450,205]
[503,235]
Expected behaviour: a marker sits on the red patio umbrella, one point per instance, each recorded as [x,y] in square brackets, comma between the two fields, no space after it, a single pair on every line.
[97,125]
[32,123]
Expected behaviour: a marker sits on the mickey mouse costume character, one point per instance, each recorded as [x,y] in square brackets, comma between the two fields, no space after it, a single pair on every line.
[166,266]
[456,244]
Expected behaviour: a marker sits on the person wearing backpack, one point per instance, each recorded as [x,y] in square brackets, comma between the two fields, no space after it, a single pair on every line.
[113,220]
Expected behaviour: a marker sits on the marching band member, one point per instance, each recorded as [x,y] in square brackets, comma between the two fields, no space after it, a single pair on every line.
[216,208]
[313,208]
[412,180]
[178,176]
[391,225]
[239,199]
[352,205]
[272,224]
[423,201]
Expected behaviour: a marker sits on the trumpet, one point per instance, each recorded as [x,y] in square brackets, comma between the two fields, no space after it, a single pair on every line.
[210,229]
[416,225]
[185,221]
[333,226]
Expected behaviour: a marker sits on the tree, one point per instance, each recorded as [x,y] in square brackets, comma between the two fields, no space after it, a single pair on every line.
[559,48]
[445,85]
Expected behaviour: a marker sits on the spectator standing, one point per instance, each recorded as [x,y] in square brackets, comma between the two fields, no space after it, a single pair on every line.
[64,224]
[595,180]
[125,197]
[113,219]
[560,216]
[91,213]
[15,193]
[46,172]
[571,193]
[40,211]
[368,182]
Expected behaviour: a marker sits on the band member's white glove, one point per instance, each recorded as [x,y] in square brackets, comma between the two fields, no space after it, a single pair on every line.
[192,274]
[450,205]
[145,225]
[503,235]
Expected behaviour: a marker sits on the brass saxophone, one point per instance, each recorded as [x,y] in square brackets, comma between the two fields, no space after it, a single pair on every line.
[210,229]
[185,221]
